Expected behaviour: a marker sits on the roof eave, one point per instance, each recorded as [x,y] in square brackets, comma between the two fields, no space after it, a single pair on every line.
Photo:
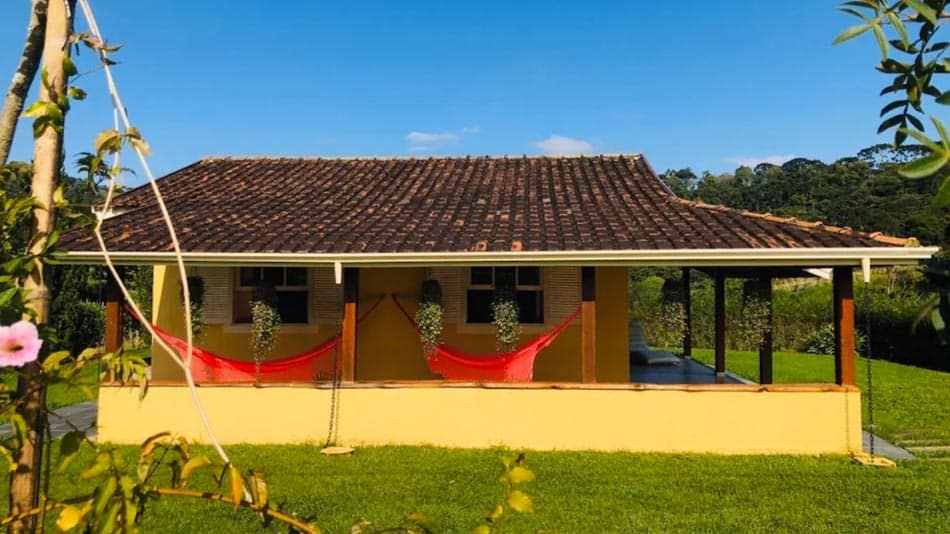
[804,257]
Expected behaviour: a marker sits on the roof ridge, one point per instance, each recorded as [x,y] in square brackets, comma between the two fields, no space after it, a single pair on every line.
[811,225]
[264,157]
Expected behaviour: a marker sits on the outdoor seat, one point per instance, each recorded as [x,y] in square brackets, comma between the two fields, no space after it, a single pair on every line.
[642,354]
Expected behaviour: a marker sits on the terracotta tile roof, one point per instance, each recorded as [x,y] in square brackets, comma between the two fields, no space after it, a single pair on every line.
[317,205]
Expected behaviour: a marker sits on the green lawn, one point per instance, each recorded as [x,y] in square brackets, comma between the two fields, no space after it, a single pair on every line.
[579,492]
[909,402]
[58,395]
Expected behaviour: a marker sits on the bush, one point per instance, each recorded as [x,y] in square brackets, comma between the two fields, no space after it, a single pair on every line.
[81,325]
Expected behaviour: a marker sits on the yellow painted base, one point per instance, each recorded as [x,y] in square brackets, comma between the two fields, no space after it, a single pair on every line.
[727,421]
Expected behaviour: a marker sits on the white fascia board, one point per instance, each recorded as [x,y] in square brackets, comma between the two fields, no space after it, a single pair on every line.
[785,257]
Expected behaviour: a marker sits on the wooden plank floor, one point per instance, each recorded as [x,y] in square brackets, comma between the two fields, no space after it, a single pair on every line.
[685,372]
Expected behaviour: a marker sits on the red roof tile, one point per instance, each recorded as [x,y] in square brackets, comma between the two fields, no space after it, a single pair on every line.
[317,205]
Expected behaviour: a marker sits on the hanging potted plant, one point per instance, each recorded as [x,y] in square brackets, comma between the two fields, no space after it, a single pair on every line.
[265,324]
[429,316]
[505,311]
[196,290]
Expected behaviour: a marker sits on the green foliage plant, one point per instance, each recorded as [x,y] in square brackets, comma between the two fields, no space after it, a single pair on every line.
[265,325]
[429,317]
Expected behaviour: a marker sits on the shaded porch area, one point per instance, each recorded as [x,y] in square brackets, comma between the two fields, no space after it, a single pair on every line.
[685,371]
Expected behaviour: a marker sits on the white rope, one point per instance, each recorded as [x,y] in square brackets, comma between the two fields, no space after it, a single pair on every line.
[186,363]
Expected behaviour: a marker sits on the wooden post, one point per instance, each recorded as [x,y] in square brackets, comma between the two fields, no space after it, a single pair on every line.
[719,306]
[588,326]
[687,315]
[764,292]
[351,295]
[113,335]
[844,325]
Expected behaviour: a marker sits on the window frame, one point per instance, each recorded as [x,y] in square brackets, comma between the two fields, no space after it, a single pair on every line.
[537,288]
[239,288]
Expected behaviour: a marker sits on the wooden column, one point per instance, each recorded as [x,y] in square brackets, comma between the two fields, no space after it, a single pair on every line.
[688,315]
[588,326]
[719,307]
[764,292]
[843,284]
[351,295]
[113,330]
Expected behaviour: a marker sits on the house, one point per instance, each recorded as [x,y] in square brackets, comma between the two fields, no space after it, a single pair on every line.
[346,242]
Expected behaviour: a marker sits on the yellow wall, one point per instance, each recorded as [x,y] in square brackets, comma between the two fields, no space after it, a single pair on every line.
[388,348]
[729,420]
[232,340]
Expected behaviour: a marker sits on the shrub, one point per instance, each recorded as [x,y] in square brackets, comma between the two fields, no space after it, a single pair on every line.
[81,325]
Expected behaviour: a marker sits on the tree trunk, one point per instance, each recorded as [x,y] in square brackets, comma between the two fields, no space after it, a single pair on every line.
[47,159]
[23,77]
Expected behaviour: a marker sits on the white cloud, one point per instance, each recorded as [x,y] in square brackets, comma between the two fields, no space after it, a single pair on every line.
[471,129]
[752,161]
[421,138]
[419,148]
[561,145]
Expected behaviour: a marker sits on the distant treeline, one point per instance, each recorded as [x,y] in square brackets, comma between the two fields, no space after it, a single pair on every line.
[864,192]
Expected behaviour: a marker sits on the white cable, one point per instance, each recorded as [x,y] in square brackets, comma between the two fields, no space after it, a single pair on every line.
[119,111]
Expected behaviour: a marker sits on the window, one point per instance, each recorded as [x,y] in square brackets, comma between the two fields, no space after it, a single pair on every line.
[526,282]
[290,284]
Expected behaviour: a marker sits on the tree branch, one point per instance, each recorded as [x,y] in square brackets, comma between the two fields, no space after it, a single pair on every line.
[23,77]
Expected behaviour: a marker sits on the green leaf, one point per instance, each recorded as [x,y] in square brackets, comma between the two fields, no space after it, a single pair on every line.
[890,122]
[880,38]
[922,139]
[194,464]
[69,448]
[237,485]
[520,474]
[36,109]
[141,145]
[100,466]
[520,502]
[899,26]
[69,68]
[496,513]
[851,33]
[76,93]
[108,141]
[69,518]
[942,132]
[103,494]
[943,196]
[925,11]
[925,166]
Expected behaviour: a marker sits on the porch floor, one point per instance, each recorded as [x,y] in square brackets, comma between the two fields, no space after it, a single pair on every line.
[684,372]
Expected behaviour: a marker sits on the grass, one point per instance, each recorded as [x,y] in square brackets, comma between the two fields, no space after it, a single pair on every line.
[575,492]
[910,403]
[59,395]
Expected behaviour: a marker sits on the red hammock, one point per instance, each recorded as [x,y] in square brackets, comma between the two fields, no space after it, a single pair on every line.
[514,366]
[209,368]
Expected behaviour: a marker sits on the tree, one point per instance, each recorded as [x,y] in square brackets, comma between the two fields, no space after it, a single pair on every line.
[23,77]
[48,149]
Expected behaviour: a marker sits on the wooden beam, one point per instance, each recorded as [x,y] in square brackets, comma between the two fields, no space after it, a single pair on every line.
[719,307]
[588,326]
[113,340]
[351,296]
[843,288]
[756,272]
[687,315]
[764,292]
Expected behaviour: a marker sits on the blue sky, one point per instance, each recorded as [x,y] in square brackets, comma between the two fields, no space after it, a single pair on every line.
[700,84]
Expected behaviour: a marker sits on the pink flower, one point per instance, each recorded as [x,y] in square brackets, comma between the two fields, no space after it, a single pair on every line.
[19,344]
